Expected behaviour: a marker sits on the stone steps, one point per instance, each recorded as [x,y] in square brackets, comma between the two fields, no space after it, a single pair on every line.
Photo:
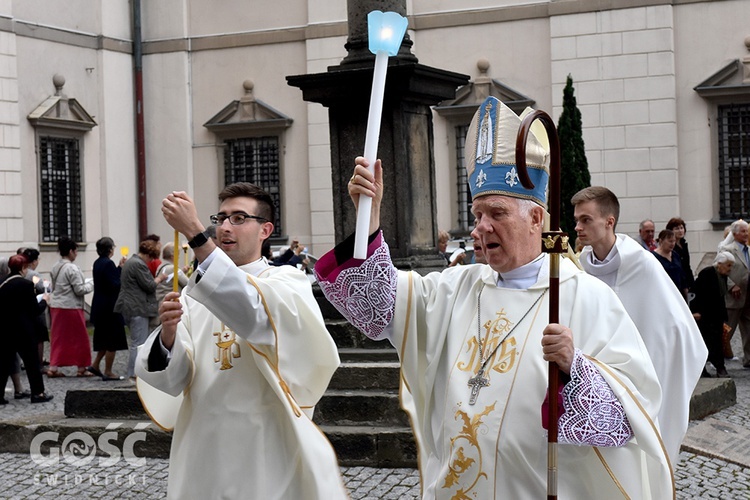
[373,408]
[121,403]
[348,399]
[360,408]
[373,447]
[345,335]
[367,355]
[381,443]
[353,379]
[711,395]
[354,445]
[365,375]
[141,438]
[360,411]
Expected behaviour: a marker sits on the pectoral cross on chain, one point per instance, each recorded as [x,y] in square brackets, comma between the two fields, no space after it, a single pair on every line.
[476,383]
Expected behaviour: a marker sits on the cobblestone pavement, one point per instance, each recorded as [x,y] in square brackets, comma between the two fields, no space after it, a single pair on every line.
[59,386]
[22,478]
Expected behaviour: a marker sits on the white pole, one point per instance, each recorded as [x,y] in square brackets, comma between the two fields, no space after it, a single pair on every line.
[372,137]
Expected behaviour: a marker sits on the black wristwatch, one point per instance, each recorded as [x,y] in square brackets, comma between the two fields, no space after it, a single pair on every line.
[198,240]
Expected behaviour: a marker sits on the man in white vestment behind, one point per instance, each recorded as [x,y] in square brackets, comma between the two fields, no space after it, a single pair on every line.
[239,363]
[661,315]
[474,342]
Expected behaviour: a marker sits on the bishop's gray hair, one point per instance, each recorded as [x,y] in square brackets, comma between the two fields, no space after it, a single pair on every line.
[525,207]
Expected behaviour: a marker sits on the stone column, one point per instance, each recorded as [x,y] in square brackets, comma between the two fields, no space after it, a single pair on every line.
[357,43]
[406,136]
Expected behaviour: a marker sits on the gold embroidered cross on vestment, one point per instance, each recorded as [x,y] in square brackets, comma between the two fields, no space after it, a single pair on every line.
[480,380]
[228,347]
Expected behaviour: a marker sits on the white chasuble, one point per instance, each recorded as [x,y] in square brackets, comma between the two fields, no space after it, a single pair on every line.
[475,430]
[667,327]
[497,447]
[251,359]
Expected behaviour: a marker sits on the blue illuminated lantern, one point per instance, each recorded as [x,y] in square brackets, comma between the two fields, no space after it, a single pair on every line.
[385,31]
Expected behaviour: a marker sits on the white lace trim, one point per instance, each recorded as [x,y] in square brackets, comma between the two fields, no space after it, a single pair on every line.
[593,414]
[366,295]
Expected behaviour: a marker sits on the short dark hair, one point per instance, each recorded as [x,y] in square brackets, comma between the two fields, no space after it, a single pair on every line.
[265,249]
[153,237]
[66,245]
[248,190]
[104,245]
[16,263]
[665,234]
[675,222]
[605,199]
[31,253]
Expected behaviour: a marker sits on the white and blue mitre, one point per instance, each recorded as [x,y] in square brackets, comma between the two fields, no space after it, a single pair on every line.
[491,154]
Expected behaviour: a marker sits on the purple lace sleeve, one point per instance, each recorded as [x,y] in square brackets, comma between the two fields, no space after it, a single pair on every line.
[593,414]
[365,295]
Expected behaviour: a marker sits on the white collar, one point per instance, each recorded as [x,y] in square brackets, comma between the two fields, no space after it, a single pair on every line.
[256,267]
[521,277]
[611,255]
[605,270]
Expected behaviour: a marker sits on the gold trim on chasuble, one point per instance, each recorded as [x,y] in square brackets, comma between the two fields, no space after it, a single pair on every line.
[404,383]
[648,418]
[227,347]
[144,403]
[503,359]
[274,366]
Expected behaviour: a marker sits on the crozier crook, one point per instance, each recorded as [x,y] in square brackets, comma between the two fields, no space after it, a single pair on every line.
[554,242]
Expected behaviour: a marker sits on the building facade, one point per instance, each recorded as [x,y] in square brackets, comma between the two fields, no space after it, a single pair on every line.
[663,87]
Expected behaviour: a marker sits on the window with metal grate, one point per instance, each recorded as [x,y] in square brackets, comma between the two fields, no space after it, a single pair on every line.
[256,160]
[60,188]
[734,161]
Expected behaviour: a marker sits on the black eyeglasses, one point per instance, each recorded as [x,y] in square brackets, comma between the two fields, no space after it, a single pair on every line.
[235,219]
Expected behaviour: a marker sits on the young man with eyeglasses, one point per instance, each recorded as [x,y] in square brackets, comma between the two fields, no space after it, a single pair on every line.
[239,363]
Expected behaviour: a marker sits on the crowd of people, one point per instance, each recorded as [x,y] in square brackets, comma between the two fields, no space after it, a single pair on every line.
[124,294]
[718,296]
[20,310]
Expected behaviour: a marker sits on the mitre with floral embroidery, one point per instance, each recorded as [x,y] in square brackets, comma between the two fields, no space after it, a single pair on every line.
[491,154]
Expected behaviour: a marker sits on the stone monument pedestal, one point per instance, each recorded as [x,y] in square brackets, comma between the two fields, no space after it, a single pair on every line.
[408,211]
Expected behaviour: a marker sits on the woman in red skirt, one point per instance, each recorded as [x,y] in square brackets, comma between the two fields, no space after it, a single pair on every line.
[69,339]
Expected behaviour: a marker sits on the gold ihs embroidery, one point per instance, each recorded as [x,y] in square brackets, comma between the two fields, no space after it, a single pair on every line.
[228,347]
[502,359]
